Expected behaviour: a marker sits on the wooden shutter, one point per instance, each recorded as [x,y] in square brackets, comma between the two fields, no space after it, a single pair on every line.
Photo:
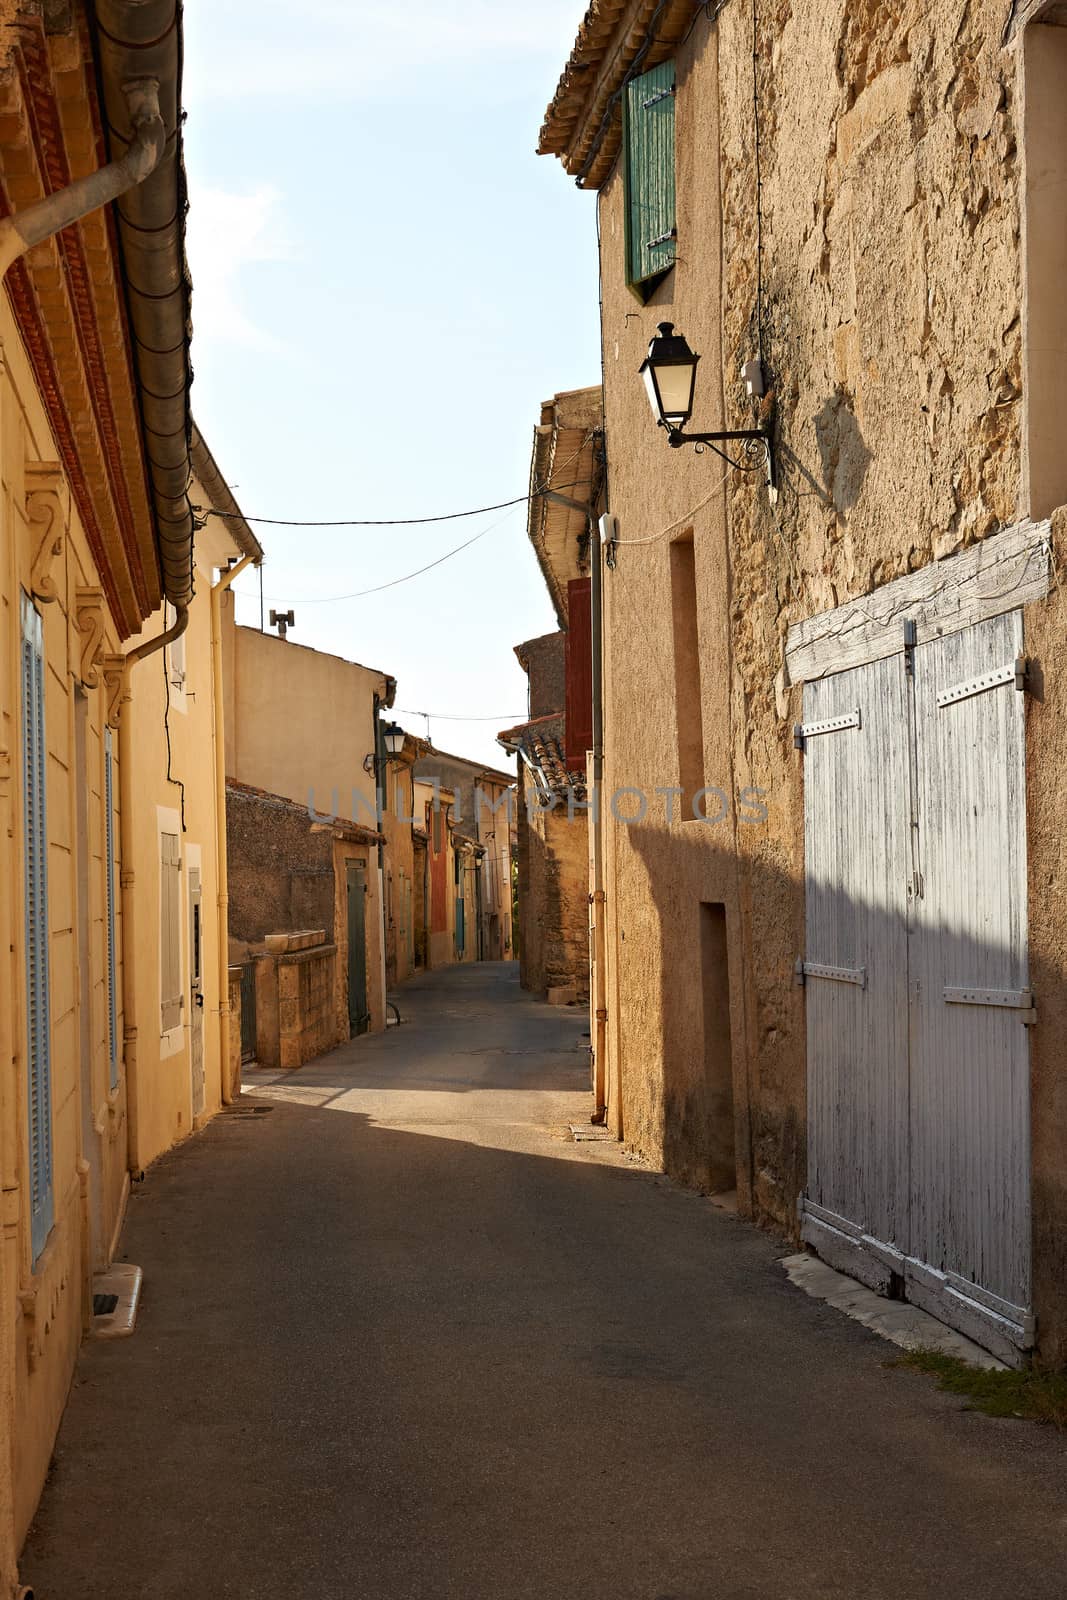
[109,870]
[170,929]
[38,1018]
[579,654]
[651,237]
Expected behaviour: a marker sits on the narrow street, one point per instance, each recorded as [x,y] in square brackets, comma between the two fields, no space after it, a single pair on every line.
[400,1336]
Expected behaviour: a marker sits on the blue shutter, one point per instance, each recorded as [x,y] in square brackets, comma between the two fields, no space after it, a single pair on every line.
[38,1018]
[651,235]
[109,848]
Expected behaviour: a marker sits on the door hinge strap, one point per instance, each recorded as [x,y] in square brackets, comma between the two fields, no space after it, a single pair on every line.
[817,969]
[1008,999]
[1016,674]
[808,730]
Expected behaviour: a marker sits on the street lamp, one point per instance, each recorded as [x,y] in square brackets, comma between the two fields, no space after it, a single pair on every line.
[670,374]
[394,736]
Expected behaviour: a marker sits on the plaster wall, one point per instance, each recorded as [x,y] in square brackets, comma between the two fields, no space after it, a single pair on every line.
[886,282]
[659,871]
[303,724]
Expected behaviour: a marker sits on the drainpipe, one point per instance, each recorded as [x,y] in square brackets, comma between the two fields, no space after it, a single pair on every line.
[598,987]
[127,883]
[56,211]
[381,781]
[221,858]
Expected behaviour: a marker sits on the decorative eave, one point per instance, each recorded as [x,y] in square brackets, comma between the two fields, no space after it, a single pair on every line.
[72,294]
[564,462]
[583,124]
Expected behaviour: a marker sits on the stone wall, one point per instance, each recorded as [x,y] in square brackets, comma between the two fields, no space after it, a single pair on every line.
[553,899]
[544,661]
[296,1012]
[280,871]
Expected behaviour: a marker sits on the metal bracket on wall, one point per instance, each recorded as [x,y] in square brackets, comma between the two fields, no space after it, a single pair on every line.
[818,969]
[1021,1000]
[803,731]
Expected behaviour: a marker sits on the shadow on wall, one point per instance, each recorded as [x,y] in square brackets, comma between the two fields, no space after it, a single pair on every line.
[842,451]
[922,1103]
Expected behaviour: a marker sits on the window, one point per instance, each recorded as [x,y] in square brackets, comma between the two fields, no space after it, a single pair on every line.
[648,133]
[38,1007]
[170,933]
[109,911]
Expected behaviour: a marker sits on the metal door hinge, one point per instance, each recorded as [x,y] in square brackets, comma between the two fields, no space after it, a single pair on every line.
[802,731]
[654,99]
[1021,1000]
[819,969]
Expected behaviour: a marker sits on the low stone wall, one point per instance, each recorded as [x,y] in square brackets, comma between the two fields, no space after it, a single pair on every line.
[295,1012]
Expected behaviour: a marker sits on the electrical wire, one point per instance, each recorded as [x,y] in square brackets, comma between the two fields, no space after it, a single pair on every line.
[359,594]
[166,727]
[759,181]
[677,523]
[441,716]
[391,522]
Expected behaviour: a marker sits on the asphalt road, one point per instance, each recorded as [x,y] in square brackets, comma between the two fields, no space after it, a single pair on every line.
[401,1338]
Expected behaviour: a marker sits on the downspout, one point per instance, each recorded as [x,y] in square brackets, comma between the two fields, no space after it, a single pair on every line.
[221,857]
[55,212]
[127,886]
[598,987]
[381,775]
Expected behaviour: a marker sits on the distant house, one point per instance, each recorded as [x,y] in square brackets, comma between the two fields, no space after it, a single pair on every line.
[552,746]
[305,760]
[479,807]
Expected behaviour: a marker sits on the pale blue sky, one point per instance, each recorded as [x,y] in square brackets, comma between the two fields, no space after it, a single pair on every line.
[387,283]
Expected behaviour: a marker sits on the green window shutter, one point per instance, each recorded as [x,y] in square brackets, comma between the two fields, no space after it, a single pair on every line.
[170,930]
[649,131]
[38,1003]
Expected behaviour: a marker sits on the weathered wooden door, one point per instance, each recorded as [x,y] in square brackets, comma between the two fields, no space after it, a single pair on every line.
[969,985]
[855,968]
[358,1013]
[196,995]
[916,978]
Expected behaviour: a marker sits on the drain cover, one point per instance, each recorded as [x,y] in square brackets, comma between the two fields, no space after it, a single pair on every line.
[104,1304]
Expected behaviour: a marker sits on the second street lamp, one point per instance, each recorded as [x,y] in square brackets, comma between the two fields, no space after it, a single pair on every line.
[670,372]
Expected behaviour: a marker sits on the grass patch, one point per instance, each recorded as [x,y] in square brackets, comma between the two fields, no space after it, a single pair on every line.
[1032,1396]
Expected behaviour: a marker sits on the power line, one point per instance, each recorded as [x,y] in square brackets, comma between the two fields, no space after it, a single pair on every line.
[441,716]
[390,522]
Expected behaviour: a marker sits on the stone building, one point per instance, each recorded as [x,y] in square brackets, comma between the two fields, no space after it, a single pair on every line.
[552,746]
[553,833]
[304,760]
[480,805]
[114,1003]
[819,989]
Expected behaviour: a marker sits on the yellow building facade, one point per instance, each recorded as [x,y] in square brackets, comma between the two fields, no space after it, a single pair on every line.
[112,875]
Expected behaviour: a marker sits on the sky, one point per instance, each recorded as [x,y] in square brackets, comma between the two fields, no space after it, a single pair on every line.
[387,283]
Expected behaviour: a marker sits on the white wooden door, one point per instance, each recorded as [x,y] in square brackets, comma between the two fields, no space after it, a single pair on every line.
[916,979]
[970,999]
[855,965]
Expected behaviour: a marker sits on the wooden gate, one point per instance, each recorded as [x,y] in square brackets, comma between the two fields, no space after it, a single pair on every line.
[916,978]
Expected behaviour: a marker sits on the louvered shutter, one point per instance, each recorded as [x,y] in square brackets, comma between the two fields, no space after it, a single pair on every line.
[38,1008]
[579,659]
[651,236]
[170,929]
[109,867]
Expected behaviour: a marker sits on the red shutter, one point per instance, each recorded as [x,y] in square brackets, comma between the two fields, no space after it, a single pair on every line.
[579,672]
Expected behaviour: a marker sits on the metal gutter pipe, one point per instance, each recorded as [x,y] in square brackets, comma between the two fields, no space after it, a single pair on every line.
[57,211]
[142,38]
[598,986]
[228,1091]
